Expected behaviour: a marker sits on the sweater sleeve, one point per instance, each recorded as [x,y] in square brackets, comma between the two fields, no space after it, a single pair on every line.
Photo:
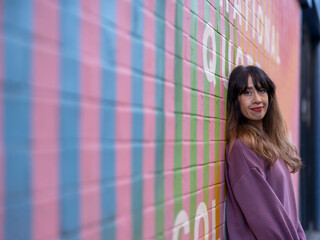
[261,208]
[301,233]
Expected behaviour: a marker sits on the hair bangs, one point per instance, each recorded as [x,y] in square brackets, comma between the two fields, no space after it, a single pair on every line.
[260,80]
[242,82]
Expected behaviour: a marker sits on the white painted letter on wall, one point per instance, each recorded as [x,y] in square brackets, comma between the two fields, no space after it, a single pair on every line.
[209,67]
[181,221]
[239,57]
[237,10]
[202,212]
[260,24]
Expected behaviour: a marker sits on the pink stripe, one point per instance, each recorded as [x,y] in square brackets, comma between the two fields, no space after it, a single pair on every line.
[251,50]
[200,119]
[238,38]
[201,26]
[94,232]
[201,11]
[213,17]
[245,48]
[256,49]
[2,172]
[90,120]
[231,41]
[223,26]
[222,105]
[169,118]
[231,20]
[123,121]
[45,122]
[211,129]
[186,120]
[169,152]
[149,121]
[148,191]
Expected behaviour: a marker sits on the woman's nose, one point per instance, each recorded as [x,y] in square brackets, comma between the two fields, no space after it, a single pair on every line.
[257,97]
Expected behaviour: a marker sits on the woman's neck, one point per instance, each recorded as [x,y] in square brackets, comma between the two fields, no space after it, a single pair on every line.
[257,124]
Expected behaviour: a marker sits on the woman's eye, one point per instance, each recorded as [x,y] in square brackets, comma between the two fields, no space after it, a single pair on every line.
[262,91]
[247,93]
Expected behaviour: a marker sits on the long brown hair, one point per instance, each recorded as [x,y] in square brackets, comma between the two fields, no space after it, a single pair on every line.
[272,142]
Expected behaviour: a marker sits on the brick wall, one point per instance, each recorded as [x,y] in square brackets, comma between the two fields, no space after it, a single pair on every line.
[112,113]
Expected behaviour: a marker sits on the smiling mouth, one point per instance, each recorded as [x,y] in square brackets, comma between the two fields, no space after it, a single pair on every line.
[257,109]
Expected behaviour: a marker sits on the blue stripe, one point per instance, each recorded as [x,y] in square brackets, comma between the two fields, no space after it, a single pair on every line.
[160,118]
[137,117]
[108,96]
[69,120]
[17,37]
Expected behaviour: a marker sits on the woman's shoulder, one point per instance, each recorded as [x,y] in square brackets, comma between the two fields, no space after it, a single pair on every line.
[241,155]
[237,147]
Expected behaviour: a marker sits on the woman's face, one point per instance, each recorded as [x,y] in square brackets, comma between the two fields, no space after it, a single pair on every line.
[254,103]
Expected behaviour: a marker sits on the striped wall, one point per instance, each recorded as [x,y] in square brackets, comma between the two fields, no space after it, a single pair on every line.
[112,113]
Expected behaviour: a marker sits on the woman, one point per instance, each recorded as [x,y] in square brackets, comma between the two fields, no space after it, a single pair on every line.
[260,197]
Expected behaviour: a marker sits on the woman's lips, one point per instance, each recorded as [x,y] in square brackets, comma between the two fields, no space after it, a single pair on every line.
[257,109]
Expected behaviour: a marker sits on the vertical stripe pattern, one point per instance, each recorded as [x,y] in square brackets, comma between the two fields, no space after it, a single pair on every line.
[113,113]
[123,125]
[17,58]
[194,111]
[160,117]
[178,109]
[137,54]
[69,120]
[89,122]
[107,134]
[45,122]
[148,219]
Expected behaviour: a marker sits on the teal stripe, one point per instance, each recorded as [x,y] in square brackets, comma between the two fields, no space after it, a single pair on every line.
[69,120]
[108,108]
[137,117]
[160,117]
[17,43]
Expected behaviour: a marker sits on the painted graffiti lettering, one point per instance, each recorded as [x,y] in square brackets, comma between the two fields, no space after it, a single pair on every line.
[247,13]
[267,37]
[209,66]
[253,17]
[202,213]
[237,10]
[182,222]
[226,5]
[267,34]
[239,57]
[260,25]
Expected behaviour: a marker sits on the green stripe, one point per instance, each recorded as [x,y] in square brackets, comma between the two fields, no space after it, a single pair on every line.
[217,17]
[217,87]
[178,109]
[235,40]
[227,33]
[217,100]
[206,123]
[194,112]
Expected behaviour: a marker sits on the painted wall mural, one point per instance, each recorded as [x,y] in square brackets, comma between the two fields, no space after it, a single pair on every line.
[112,113]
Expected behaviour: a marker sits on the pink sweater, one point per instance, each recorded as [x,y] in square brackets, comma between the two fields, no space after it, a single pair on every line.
[260,200]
